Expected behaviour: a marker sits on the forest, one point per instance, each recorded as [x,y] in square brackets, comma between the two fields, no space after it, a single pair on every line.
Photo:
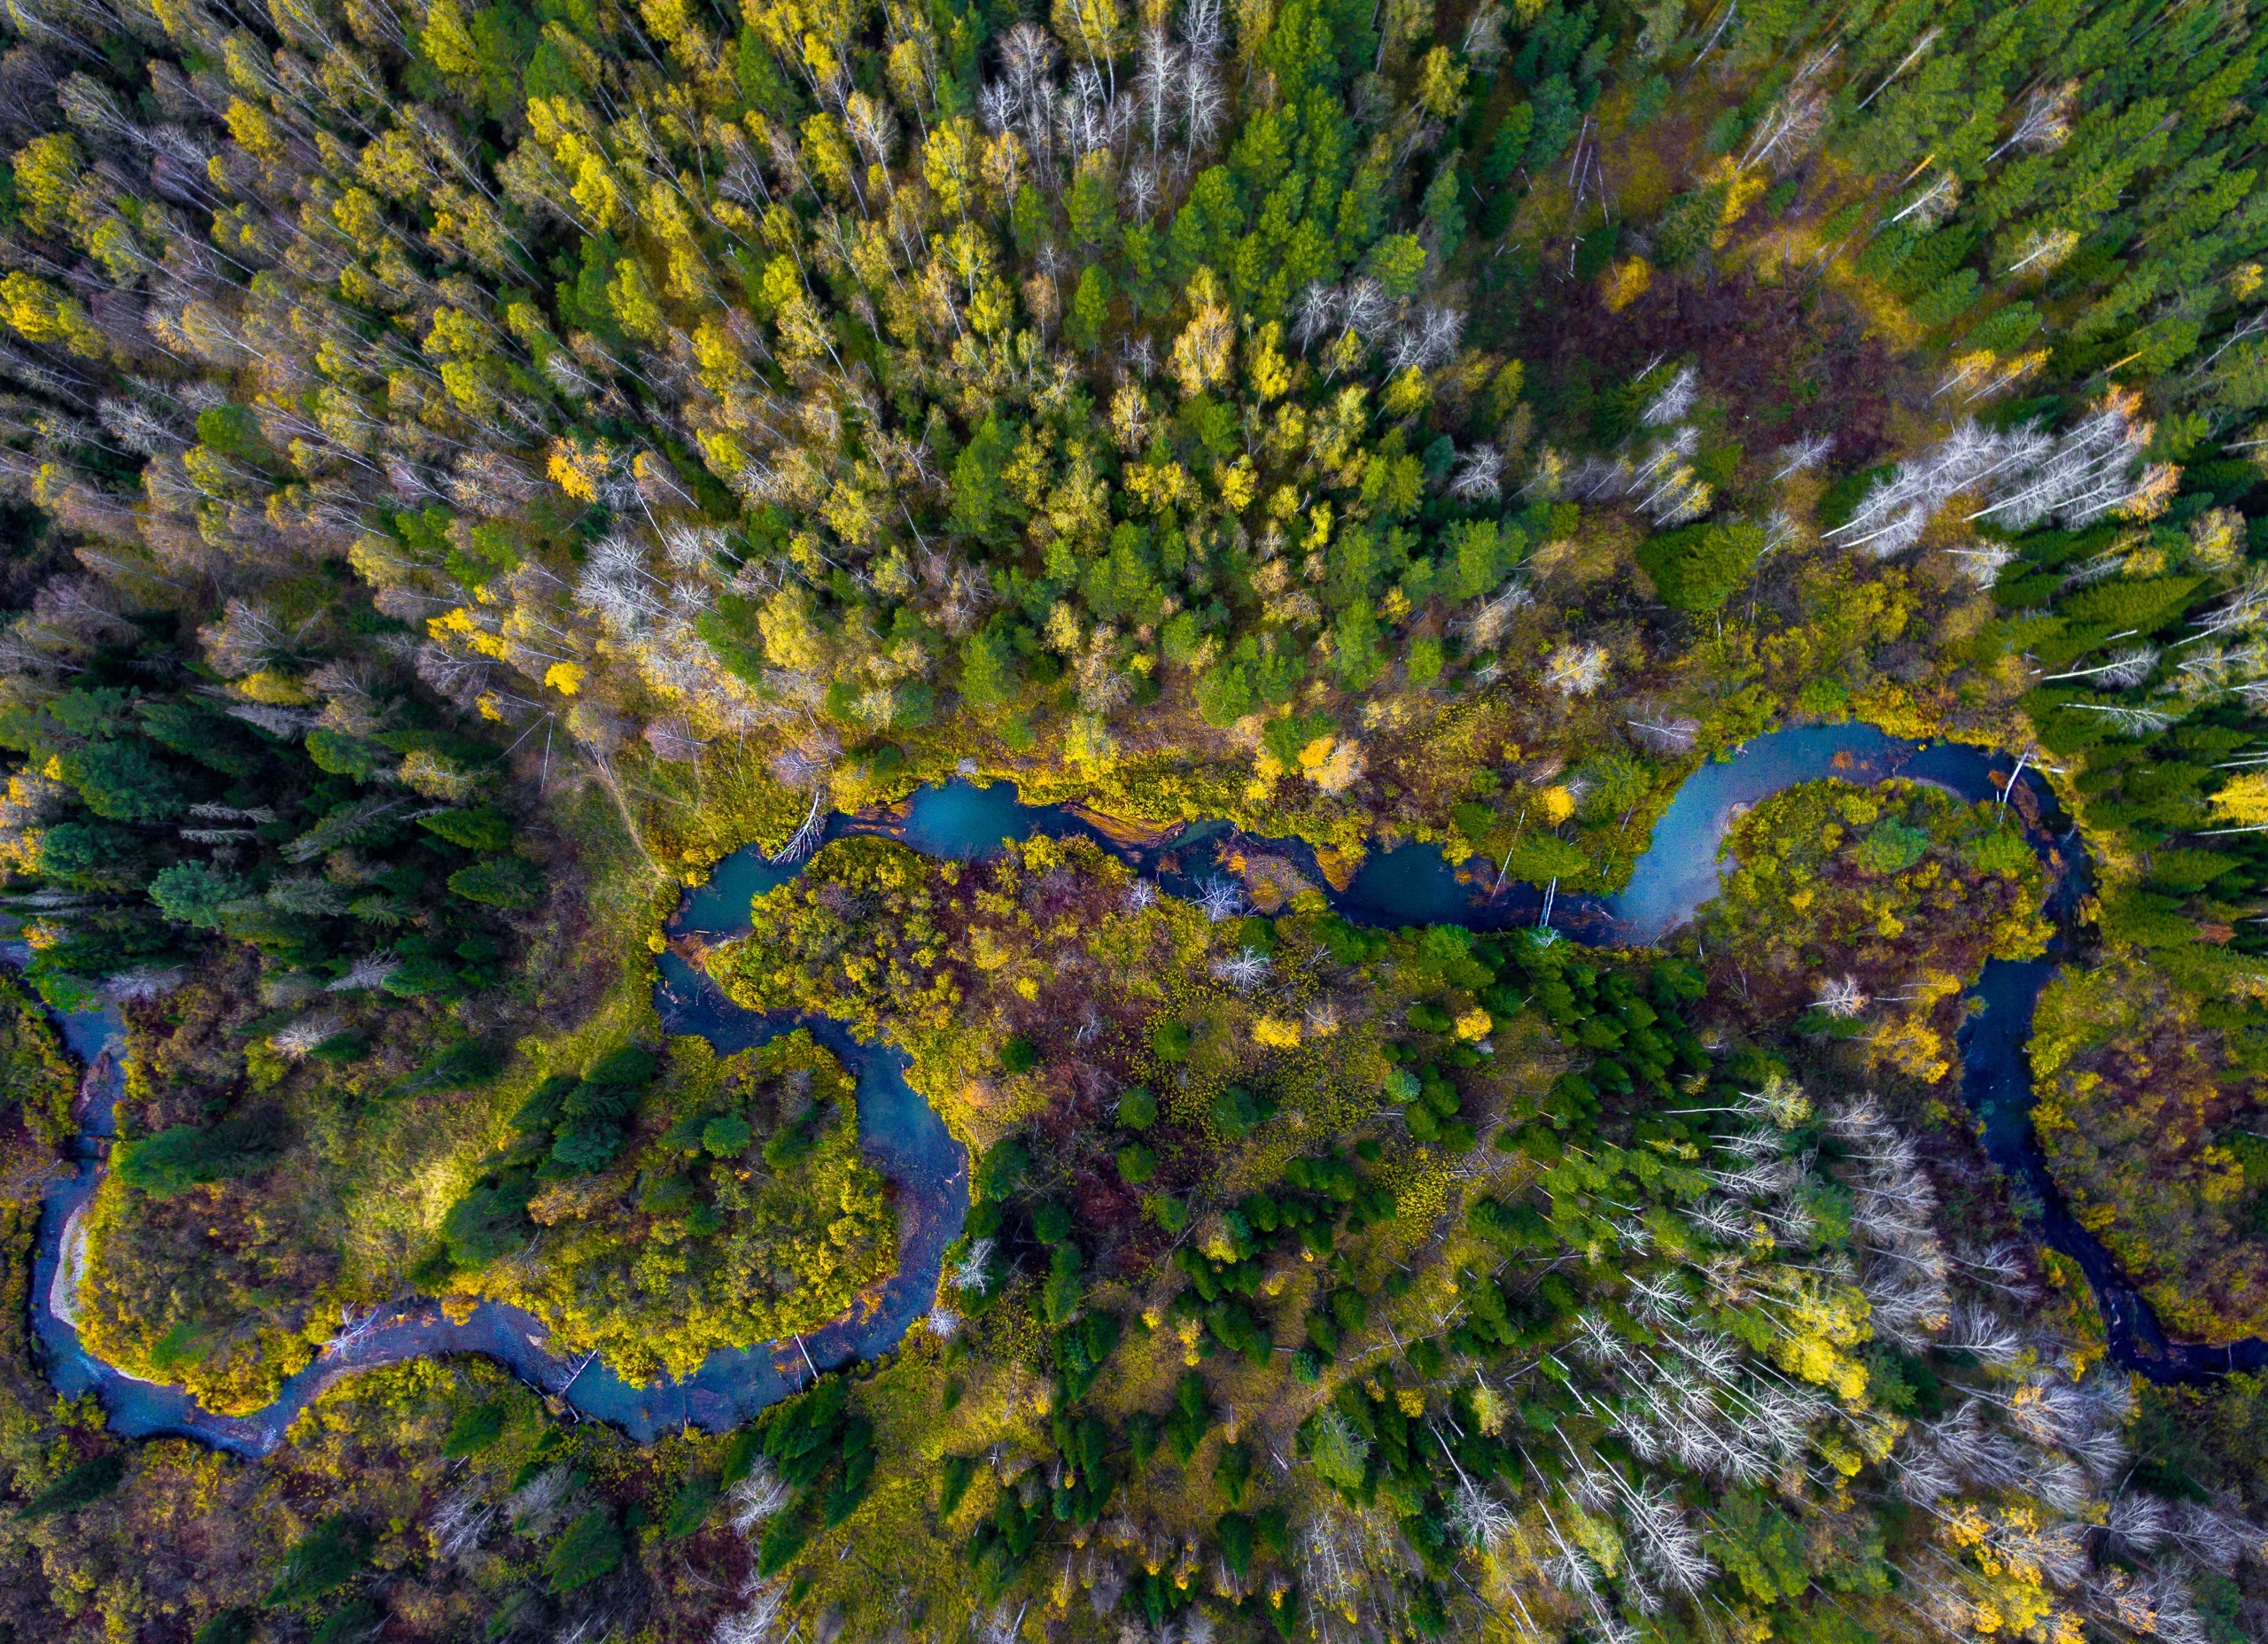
[481,482]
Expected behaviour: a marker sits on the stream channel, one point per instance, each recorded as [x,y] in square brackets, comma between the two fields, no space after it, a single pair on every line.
[907,1143]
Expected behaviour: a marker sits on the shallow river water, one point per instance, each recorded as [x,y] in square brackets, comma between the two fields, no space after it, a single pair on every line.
[906,1141]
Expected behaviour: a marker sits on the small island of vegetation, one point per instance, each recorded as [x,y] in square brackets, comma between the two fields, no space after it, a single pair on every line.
[484,485]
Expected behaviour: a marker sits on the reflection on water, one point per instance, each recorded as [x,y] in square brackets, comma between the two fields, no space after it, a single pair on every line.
[961,820]
[1408,885]
[1681,870]
[721,906]
[902,1136]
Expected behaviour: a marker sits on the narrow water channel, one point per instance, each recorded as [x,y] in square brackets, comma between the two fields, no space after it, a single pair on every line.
[1408,885]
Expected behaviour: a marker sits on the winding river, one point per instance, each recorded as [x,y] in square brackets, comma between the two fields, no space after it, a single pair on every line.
[906,1141]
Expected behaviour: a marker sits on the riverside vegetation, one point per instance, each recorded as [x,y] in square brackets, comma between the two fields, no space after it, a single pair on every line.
[469,468]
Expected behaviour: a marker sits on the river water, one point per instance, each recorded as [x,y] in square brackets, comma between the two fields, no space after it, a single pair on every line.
[1408,885]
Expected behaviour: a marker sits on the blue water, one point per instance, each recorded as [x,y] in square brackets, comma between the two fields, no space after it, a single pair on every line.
[1681,871]
[901,1135]
[1408,885]
[952,819]
[87,1035]
[721,906]
[1411,884]
[967,822]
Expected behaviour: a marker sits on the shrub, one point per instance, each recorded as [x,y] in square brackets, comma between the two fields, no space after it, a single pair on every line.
[168,1164]
[587,1145]
[357,1619]
[726,1138]
[486,1223]
[586,1550]
[1892,847]
[227,1627]
[320,1562]
[1005,1164]
[1235,1114]
[83,1485]
[194,892]
[341,755]
[1697,569]
[125,782]
[480,828]
[501,882]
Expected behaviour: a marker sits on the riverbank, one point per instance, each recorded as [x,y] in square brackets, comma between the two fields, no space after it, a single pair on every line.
[1412,885]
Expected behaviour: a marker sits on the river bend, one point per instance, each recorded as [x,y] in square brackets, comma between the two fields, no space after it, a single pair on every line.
[907,1143]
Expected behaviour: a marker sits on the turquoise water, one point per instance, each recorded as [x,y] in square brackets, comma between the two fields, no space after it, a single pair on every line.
[953,820]
[903,1138]
[87,1035]
[1408,885]
[1681,870]
[721,906]
[1411,883]
[967,822]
